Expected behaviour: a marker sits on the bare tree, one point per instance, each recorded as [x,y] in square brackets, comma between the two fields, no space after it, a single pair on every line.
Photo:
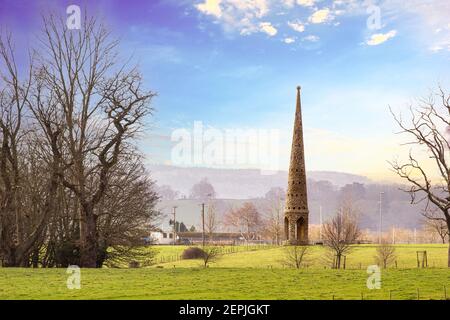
[428,128]
[211,221]
[273,220]
[202,190]
[341,231]
[72,183]
[210,254]
[385,254]
[126,214]
[245,220]
[21,227]
[167,193]
[294,256]
[437,225]
[102,106]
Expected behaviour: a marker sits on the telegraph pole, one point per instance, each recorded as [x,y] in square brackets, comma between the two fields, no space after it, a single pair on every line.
[415,235]
[174,225]
[381,221]
[393,234]
[203,224]
[320,223]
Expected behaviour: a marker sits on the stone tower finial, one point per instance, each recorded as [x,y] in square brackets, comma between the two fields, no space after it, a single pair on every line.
[296,208]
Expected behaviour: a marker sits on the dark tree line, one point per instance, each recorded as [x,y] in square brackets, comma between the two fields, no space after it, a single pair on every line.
[73,188]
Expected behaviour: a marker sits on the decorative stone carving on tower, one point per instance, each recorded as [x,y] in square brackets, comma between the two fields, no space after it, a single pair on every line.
[296,207]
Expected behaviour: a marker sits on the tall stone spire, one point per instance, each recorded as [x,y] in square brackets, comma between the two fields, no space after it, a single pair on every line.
[296,208]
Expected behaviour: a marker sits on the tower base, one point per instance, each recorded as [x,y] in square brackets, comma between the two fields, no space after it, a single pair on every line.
[296,227]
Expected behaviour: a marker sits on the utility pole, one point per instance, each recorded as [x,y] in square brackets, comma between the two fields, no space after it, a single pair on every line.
[174,225]
[393,235]
[203,224]
[208,196]
[320,223]
[381,221]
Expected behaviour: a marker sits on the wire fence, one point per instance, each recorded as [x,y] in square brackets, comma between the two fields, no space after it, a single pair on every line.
[390,294]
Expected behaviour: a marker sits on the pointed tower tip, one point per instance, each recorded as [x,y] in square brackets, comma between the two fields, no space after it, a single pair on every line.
[298,88]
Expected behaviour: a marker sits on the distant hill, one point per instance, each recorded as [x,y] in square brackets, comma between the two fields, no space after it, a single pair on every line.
[325,190]
[240,183]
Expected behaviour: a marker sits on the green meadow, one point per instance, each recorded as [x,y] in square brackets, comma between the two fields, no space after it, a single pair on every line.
[361,256]
[249,273]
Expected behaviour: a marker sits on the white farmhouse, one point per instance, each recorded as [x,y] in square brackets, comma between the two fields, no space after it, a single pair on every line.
[162,237]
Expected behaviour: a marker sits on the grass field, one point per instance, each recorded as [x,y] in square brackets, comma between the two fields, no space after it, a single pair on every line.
[255,274]
[260,257]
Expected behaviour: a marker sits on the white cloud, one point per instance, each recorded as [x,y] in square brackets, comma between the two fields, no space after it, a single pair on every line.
[440,46]
[211,7]
[257,8]
[321,16]
[418,18]
[268,28]
[289,40]
[236,15]
[428,22]
[306,3]
[297,26]
[289,3]
[436,48]
[311,38]
[379,38]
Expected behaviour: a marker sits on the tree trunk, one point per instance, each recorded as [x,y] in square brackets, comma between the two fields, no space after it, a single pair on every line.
[35,259]
[447,220]
[88,252]
[9,258]
[448,256]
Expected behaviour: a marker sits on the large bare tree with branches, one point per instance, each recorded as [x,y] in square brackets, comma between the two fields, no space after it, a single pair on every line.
[436,226]
[341,231]
[101,106]
[246,220]
[427,127]
[22,219]
[72,182]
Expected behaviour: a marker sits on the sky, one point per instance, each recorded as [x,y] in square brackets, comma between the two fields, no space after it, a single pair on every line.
[230,66]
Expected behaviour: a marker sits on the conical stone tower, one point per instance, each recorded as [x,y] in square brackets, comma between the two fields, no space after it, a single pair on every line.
[296,208]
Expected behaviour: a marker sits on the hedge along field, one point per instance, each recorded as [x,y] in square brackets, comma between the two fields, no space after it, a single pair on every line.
[361,256]
[222,283]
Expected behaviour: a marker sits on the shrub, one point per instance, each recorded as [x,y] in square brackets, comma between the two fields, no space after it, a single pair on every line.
[193,253]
